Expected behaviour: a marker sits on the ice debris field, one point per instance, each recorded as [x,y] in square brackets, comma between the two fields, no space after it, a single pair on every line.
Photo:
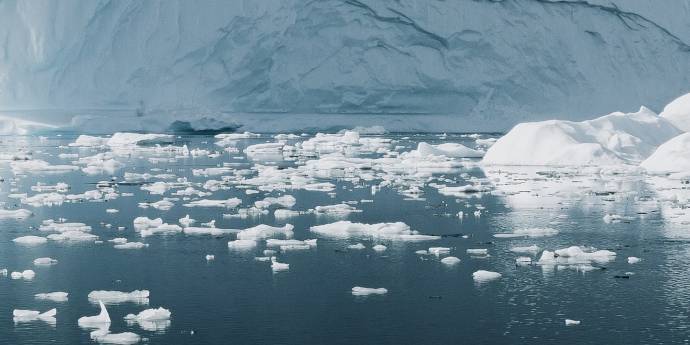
[159,238]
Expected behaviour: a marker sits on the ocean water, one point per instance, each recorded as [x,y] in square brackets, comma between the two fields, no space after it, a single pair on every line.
[236,299]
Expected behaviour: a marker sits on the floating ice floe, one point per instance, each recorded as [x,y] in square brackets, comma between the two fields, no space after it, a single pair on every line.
[612,139]
[73,236]
[210,257]
[229,203]
[242,244]
[130,139]
[206,230]
[533,249]
[278,266]
[52,296]
[478,251]
[20,315]
[379,248]
[569,322]
[337,209]
[98,321]
[286,201]
[438,251]
[529,232]
[103,336]
[262,232]
[131,245]
[450,260]
[26,275]
[358,246]
[365,291]
[30,240]
[451,150]
[143,223]
[154,319]
[576,255]
[45,261]
[118,297]
[39,166]
[633,260]
[390,231]
[15,214]
[484,276]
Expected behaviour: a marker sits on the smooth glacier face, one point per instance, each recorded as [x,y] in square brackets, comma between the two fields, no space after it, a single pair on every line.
[491,64]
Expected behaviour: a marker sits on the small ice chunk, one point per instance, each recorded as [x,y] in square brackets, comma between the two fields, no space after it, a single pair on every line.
[102,320]
[153,314]
[242,244]
[483,276]
[438,251]
[30,240]
[357,246]
[20,315]
[478,251]
[131,245]
[26,275]
[210,257]
[186,221]
[278,266]
[633,260]
[52,296]
[569,322]
[523,260]
[263,231]
[15,214]
[533,249]
[529,232]
[365,291]
[379,248]
[450,260]
[45,261]
[117,297]
[103,336]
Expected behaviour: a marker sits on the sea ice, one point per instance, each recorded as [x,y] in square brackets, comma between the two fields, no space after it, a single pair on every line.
[52,296]
[30,240]
[118,297]
[45,261]
[365,291]
[102,320]
[26,275]
[391,231]
[20,315]
[450,260]
[483,276]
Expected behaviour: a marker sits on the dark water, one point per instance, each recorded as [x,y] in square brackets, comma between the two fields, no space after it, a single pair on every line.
[235,299]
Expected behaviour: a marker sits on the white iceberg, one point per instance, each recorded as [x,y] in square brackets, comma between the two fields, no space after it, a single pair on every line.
[262,232]
[678,112]
[450,260]
[672,156]
[612,139]
[15,214]
[45,261]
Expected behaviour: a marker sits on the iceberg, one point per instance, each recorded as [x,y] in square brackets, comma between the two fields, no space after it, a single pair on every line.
[485,276]
[678,112]
[672,156]
[612,139]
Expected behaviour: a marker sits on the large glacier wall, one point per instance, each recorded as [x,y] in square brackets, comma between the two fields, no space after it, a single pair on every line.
[486,63]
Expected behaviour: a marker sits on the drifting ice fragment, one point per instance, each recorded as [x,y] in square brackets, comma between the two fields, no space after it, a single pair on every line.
[483,276]
[365,291]
[98,321]
[52,296]
[117,297]
[20,315]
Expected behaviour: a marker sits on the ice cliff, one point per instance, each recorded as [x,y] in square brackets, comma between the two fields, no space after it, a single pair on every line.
[484,64]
